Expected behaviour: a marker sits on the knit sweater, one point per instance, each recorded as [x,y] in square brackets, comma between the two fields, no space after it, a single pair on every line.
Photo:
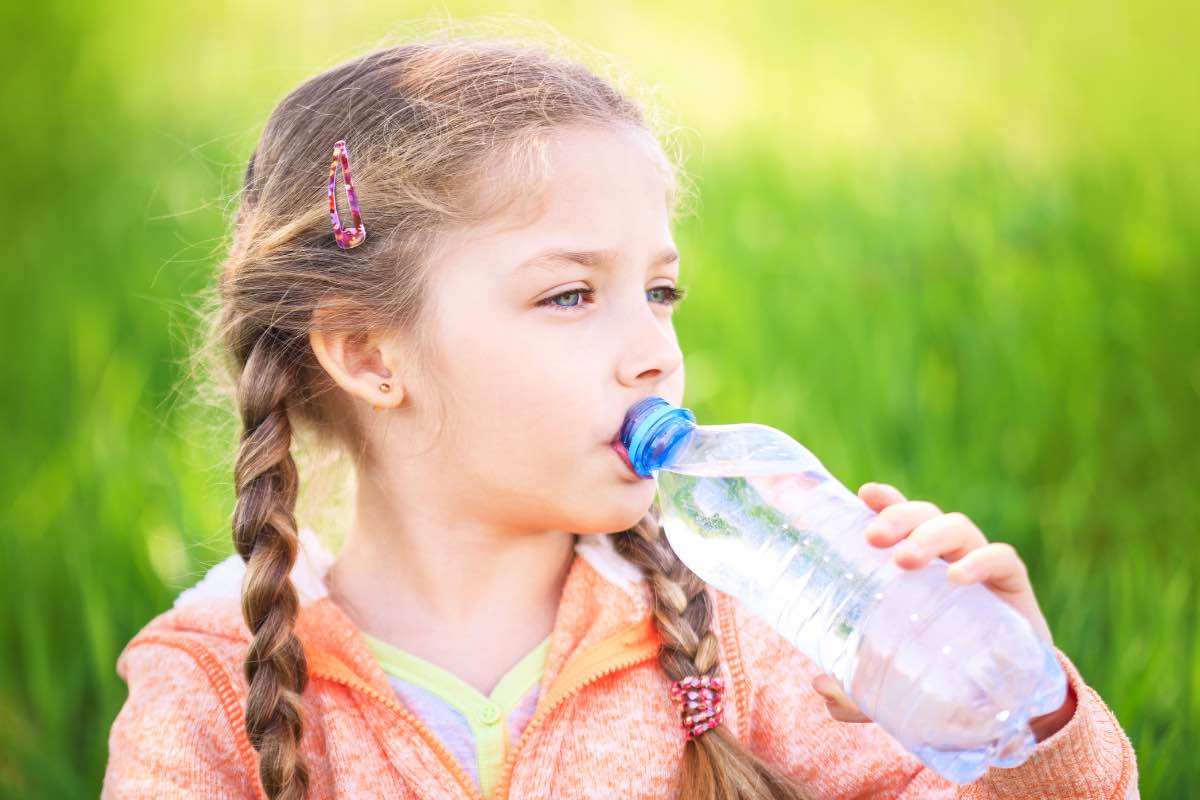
[604,727]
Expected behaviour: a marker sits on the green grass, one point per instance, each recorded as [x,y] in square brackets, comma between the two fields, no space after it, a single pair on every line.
[990,304]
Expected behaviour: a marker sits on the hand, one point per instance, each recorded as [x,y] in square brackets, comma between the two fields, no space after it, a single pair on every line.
[954,538]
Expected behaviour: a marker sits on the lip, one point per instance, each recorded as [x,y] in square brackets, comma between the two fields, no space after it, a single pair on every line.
[616,437]
[622,454]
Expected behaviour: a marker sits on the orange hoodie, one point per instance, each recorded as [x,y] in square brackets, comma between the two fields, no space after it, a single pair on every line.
[604,727]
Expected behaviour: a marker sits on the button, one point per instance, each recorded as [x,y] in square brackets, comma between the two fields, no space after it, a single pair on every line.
[489,714]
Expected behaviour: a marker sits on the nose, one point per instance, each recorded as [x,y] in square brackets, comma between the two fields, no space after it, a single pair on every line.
[651,352]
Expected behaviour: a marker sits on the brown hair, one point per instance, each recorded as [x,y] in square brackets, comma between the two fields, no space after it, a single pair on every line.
[427,124]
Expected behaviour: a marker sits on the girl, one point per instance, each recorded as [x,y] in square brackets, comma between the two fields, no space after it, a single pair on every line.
[505,618]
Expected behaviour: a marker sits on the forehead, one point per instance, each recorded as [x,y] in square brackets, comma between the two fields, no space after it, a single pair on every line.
[588,189]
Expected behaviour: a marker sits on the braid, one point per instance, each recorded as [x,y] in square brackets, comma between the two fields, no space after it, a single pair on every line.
[264,532]
[715,765]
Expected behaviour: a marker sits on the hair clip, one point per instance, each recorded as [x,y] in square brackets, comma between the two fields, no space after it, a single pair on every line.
[701,703]
[345,237]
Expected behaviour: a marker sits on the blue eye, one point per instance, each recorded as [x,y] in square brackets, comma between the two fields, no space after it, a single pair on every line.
[672,295]
[583,293]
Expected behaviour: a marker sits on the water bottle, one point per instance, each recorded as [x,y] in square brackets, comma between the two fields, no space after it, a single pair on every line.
[949,670]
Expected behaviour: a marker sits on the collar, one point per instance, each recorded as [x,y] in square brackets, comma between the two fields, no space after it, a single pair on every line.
[313,560]
[604,617]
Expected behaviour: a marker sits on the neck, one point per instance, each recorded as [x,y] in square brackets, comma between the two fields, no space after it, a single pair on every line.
[414,573]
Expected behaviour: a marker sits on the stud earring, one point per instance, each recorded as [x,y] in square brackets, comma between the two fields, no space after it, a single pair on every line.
[384,387]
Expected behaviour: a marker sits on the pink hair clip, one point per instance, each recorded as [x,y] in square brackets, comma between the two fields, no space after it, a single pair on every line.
[701,703]
[345,237]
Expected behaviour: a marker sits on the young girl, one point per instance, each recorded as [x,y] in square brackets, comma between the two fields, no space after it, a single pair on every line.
[505,618]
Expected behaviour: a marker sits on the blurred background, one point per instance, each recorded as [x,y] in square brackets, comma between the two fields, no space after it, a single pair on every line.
[951,247]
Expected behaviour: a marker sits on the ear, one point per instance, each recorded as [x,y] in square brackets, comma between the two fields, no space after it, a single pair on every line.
[364,365]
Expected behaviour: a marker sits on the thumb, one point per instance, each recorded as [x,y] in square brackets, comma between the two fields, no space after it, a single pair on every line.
[840,707]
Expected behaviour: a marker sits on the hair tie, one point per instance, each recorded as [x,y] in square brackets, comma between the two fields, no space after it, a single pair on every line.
[701,703]
[345,237]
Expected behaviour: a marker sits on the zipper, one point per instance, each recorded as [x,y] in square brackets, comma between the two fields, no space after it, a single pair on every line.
[333,672]
[634,645]
[646,648]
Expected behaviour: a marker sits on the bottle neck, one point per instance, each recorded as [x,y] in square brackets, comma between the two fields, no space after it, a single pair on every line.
[658,433]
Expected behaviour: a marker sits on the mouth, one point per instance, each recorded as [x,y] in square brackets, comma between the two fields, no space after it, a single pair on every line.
[623,454]
[617,442]
[618,436]
[619,448]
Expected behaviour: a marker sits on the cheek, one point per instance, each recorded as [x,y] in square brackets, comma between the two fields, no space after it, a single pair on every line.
[488,372]
[527,414]
[526,420]
[672,388]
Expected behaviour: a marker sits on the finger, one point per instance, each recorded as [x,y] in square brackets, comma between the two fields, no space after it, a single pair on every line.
[824,684]
[997,564]
[896,521]
[840,707]
[879,495]
[950,537]
[842,714]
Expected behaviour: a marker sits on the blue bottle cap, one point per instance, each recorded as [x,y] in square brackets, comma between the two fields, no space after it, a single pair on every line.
[646,423]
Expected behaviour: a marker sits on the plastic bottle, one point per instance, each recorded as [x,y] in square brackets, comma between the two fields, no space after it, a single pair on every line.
[949,670]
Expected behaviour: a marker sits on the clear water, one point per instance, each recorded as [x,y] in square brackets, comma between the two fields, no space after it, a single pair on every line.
[949,670]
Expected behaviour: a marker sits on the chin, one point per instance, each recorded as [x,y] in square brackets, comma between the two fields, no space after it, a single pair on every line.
[628,514]
[617,514]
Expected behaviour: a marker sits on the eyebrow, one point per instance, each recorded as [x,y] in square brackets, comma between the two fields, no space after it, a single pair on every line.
[592,259]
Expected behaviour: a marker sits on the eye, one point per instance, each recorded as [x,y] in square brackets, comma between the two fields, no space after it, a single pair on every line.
[669,297]
[672,294]
[583,293]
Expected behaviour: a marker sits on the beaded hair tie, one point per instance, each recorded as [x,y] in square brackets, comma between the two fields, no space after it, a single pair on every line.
[345,237]
[701,703]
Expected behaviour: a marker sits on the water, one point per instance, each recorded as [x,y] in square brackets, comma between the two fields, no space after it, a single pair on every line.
[949,670]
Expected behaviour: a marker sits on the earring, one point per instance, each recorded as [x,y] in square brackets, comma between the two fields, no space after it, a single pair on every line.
[384,387]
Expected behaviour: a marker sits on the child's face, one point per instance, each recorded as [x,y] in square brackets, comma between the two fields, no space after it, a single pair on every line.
[534,394]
